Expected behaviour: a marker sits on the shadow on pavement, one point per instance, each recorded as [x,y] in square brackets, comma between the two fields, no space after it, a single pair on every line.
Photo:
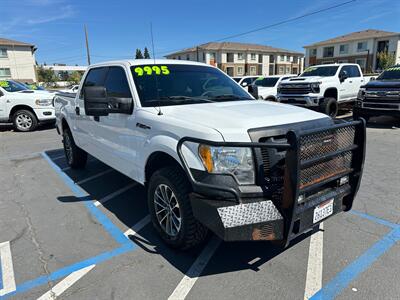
[131,207]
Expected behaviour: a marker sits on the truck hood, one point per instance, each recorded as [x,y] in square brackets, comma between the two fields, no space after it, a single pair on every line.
[307,79]
[383,84]
[233,119]
[29,96]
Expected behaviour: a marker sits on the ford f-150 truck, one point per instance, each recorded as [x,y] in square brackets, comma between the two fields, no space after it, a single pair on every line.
[210,155]
[380,97]
[25,108]
[323,87]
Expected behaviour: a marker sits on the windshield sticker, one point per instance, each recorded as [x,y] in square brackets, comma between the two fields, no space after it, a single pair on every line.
[393,69]
[148,70]
[260,78]
[4,84]
[309,69]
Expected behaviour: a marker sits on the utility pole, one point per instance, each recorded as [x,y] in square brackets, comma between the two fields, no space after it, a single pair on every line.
[87,46]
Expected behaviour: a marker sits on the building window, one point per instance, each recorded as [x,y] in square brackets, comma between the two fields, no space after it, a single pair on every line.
[253,70]
[281,58]
[271,70]
[252,56]
[5,72]
[295,70]
[313,52]
[212,56]
[3,53]
[204,56]
[179,57]
[344,49]
[328,52]
[287,70]
[361,46]
[240,56]
[229,57]
[287,58]
[271,59]
[240,70]
[362,62]
[295,60]
[281,70]
[187,57]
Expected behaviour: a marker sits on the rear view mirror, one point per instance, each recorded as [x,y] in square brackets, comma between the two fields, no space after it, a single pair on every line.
[98,103]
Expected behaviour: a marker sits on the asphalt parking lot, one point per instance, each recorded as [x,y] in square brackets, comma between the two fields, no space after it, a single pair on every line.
[86,235]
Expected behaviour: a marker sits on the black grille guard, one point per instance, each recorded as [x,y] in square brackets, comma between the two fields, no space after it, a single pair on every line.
[293,166]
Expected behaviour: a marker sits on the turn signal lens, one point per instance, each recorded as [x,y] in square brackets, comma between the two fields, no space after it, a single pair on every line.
[206,157]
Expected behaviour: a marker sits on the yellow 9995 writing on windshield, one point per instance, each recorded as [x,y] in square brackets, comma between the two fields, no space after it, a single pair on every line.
[149,70]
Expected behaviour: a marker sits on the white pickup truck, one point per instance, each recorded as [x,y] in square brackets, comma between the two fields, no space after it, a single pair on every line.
[25,108]
[323,87]
[209,154]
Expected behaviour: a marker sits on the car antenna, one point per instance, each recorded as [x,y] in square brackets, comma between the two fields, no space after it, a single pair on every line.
[154,60]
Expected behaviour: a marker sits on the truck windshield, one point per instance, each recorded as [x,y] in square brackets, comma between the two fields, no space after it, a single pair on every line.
[320,71]
[390,74]
[266,82]
[12,86]
[169,84]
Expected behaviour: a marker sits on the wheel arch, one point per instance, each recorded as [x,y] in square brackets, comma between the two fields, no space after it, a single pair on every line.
[18,107]
[158,160]
[331,93]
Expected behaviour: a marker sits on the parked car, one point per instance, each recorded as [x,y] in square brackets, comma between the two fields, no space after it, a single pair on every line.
[245,81]
[71,89]
[380,97]
[323,87]
[25,108]
[267,87]
[210,155]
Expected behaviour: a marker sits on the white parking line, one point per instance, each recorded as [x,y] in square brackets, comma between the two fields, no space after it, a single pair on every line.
[64,284]
[191,276]
[7,269]
[138,226]
[314,268]
[114,194]
[95,176]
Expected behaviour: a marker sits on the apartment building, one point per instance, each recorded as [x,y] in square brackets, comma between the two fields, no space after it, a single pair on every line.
[17,61]
[359,47]
[239,59]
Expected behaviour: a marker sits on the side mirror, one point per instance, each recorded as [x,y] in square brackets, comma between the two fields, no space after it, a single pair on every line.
[343,76]
[98,103]
[244,84]
[372,78]
[1,94]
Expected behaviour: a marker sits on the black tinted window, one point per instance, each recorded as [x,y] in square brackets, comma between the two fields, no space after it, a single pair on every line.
[352,71]
[95,77]
[116,83]
[392,73]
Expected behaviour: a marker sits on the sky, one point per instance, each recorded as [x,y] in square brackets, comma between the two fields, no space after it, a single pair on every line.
[116,28]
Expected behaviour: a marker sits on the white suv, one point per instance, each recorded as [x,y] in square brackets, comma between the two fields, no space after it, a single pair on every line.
[267,87]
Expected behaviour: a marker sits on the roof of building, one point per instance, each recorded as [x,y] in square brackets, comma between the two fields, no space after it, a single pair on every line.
[8,42]
[234,46]
[359,35]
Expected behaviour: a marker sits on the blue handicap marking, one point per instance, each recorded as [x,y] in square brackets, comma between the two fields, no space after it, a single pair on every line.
[334,287]
[126,244]
[1,276]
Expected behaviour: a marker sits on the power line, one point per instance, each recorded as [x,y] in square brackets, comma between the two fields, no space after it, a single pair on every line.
[274,24]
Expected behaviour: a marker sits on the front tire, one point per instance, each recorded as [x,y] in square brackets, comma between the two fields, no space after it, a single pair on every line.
[330,107]
[25,120]
[170,209]
[75,156]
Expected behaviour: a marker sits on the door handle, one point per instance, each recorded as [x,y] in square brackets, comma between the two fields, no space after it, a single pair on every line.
[77,111]
[350,81]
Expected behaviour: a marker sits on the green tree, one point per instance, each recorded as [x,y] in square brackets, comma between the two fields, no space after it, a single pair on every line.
[146,53]
[385,60]
[139,54]
[46,75]
[75,77]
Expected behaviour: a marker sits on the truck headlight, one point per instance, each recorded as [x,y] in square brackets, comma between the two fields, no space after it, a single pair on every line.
[237,161]
[44,102]
[315,87]
[361,94]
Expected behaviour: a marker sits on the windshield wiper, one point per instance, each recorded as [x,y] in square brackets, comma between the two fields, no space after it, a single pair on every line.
[171,100]
[185,98]
[229,97]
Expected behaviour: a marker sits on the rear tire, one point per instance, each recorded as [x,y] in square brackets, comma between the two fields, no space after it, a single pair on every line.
[329,106]
[24,120]
[170,209]
[75,156]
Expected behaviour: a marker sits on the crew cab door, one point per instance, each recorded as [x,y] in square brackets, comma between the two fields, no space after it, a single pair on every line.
[116,133]
[84,125]
[350,85]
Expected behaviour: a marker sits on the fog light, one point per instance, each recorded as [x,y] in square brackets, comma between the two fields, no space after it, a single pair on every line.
[344,180]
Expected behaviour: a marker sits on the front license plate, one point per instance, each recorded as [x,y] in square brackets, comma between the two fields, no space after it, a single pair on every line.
[323,210]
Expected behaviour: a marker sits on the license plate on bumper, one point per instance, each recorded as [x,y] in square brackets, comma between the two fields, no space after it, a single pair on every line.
[323,211]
